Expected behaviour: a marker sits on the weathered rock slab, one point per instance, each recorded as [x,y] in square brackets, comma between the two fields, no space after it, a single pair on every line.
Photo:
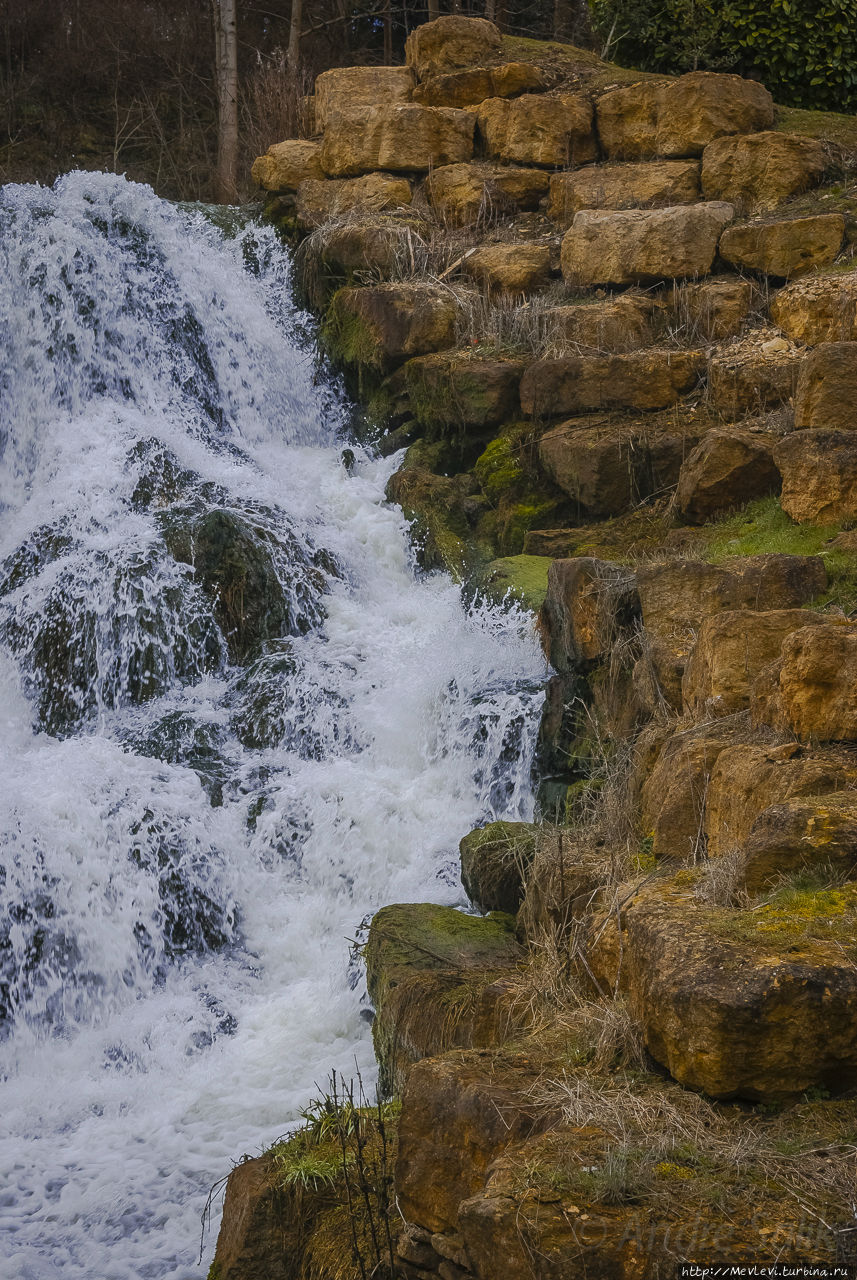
[760,171]
[642,246]
[819,473]
[727,469]
[784,249]
[644,380]
[827,388]
[402,139]
[623,186]
[537,129]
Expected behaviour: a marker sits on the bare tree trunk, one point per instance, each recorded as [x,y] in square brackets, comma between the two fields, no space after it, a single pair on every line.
[388,33]
[490,9]
[433,9]
[295,25]
[226,44]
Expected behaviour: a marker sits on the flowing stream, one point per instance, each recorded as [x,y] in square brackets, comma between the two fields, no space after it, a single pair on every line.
[234,720]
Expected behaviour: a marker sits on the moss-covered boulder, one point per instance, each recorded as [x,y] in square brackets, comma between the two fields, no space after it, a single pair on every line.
[438,980]
[458,390]
[444,511]
[494,864]
[520,578]
[263,583]
[381,325]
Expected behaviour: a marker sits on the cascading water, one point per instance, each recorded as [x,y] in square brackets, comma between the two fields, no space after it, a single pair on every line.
[233,722]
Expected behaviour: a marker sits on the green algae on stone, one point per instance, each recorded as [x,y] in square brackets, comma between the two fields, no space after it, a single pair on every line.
[521,578]
[495,860]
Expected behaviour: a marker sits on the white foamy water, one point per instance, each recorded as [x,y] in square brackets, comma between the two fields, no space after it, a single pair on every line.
[188,845]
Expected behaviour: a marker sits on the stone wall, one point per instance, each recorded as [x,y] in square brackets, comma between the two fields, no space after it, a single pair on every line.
[614,319]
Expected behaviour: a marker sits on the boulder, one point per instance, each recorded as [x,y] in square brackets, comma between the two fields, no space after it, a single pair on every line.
[435,978]
[763,1014]
[711,310]
[257,1238]
[469,88]
[819,473]
[462,390]
[621,324]
[381,325]
[351,91]
[784,249]
[622,186]
[827,387]
[727,469]
[523,578]
[320,200]
[589,603]
[285,165]
[473,1103]
[641,245]
[822,309]
[364,246]
[495,862]
[680,117]
[809,689]
[814,833]
[608,464]
[750,777]
[731,649]
[451,42]
[464,193]
[677,595]
[674,793]
[444,511]
[405,138]
[761,171]
[512,268]
[554,131]
[652,379]
[752,375]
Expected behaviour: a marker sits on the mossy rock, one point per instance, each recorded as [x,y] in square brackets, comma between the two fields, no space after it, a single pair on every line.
[523,578]
[494,864]
[262,585]
[444,512]
[435,978]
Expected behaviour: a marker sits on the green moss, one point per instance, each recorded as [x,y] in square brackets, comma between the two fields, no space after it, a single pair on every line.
[345,336]
[802,912]
[829,126]
[214,1272]
[498,468]
[763,527]
[524,578]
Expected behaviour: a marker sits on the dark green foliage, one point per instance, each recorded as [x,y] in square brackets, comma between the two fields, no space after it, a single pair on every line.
[805,51]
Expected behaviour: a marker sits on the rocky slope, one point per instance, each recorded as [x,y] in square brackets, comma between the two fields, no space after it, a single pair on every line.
[614,319]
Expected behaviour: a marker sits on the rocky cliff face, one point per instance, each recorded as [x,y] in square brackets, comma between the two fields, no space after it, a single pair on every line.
[615,321]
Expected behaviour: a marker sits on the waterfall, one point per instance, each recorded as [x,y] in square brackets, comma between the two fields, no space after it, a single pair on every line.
[234,721]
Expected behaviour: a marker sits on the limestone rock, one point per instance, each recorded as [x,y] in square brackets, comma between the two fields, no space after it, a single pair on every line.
[814,680]
[381,325]
[822,309]
[469,88]
[320,200]
[462,1102]
[588,604]
[784,249]
[350,91]
[463,391]
[366,246]
[680,117]
[749,377]
[762,170]
[623,186]
[673,795]
[404,138]
[804,833]
[734,1018]
[461,193]
[679,594]
[512,268]
[451,42]
[607,464]
[727,469]
[827,387]
[285,165]
[495,862]
[641,246]
[819,471]
[536,129]
[421,958]
[731,649]
[255,1238]
[624,323]
[652,379]
[444,511]
[750,777]
[712,310]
